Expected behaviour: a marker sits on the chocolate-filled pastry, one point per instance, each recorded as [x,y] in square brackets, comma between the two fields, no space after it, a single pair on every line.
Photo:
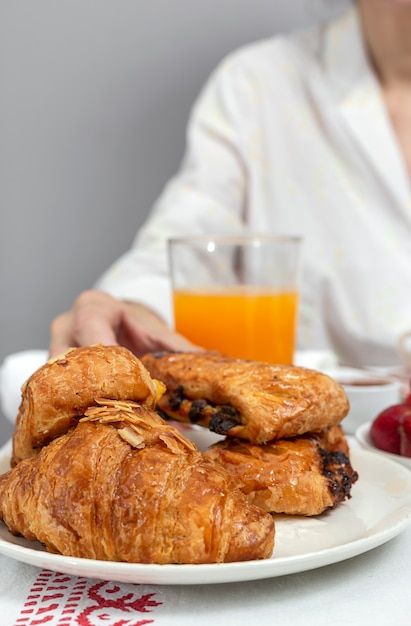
[57,394]
[304,475]
[252,400]
[123,485]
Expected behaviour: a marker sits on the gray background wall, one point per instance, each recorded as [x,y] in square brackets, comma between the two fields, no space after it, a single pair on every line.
[94,99]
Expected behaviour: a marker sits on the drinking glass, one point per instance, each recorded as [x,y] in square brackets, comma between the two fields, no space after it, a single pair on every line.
[237,295]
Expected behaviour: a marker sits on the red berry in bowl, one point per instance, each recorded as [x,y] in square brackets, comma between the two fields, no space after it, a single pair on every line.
[387,431]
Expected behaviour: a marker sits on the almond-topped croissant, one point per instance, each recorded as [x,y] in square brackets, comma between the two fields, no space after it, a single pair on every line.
[123,485]
[304,475]
[252,400]
[58,393]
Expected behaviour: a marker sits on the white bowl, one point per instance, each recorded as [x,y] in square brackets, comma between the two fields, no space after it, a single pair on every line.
[368,394]
[362,435]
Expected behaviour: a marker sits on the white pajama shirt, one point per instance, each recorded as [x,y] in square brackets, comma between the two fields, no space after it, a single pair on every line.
[291,136]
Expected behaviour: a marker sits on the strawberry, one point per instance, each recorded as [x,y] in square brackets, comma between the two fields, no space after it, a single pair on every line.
[386,430]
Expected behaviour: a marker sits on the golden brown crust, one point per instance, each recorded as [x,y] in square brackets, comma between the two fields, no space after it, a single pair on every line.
[125,486]
[301,476]
[60,391]
[251,400]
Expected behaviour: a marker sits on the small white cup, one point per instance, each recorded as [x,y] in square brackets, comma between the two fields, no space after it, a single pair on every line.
[368,394]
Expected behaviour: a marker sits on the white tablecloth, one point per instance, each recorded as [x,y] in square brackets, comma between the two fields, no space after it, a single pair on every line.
[370,589]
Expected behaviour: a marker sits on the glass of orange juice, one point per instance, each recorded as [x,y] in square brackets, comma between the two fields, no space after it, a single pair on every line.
[237,295]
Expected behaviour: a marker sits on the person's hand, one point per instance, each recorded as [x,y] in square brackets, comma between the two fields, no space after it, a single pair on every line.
[97,317]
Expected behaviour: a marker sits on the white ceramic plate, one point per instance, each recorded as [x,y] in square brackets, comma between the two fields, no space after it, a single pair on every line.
[380,508]
[362,435]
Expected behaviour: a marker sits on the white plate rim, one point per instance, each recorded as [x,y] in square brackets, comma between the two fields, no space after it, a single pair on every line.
[362,435]
[398,520]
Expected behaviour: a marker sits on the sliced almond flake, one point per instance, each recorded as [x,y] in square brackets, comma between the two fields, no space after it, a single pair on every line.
[175,443]
[171,444]
[131,437]
[103,419]
[133,409]
[123,404]
[137,429]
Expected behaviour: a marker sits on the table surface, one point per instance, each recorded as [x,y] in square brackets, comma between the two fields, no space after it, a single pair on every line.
[372,588]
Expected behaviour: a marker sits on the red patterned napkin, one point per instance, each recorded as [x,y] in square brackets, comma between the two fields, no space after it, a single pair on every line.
[62,600]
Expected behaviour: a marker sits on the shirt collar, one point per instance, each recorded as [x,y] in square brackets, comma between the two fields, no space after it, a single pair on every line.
[344,55]
[360,101]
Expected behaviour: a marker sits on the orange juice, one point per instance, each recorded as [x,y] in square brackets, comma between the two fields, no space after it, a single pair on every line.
[245,322]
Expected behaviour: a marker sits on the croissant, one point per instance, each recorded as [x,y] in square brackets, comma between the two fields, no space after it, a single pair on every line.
[304,475]
[251,400]
[123,485]
[57,394]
